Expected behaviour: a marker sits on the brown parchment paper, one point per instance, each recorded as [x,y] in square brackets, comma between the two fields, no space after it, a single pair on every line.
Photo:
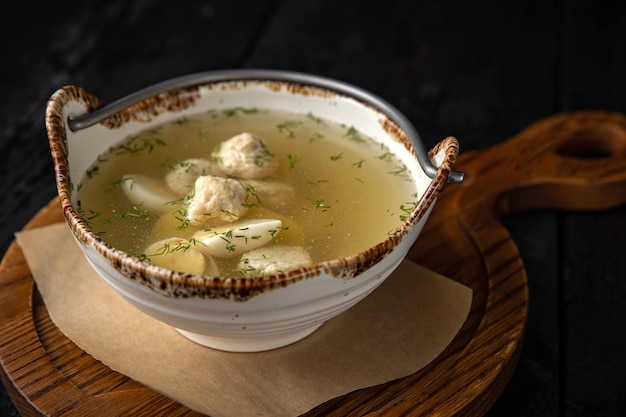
[398,329]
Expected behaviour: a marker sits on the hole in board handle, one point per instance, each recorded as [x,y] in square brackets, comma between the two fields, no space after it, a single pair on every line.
[594,143]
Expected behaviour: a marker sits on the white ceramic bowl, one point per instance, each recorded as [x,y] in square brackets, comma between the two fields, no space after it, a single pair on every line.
[241,314]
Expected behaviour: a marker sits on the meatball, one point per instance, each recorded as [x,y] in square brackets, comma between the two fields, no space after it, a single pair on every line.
[245,156]
[183,176]
[216,198]
[273,259]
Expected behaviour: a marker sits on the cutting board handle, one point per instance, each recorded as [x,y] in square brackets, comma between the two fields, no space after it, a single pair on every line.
[571,161]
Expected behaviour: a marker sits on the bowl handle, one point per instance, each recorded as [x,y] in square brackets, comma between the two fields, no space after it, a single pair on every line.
[443,155]
[89,119]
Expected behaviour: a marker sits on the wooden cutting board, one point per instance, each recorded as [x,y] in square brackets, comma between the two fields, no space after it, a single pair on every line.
[573,161]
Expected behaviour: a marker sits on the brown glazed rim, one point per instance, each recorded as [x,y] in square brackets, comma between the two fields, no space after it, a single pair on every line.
[181,285]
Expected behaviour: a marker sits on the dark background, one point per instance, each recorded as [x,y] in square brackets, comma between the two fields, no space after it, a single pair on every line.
[479,70]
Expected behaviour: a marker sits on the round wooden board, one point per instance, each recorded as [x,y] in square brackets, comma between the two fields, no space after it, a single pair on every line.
[570,161]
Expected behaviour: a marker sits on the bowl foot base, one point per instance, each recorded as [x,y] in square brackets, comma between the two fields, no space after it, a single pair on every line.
[255,344]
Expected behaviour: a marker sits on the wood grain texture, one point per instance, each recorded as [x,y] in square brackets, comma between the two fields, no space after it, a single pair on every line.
[572,161]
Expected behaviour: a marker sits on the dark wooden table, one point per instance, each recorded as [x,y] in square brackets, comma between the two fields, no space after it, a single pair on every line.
[481,71]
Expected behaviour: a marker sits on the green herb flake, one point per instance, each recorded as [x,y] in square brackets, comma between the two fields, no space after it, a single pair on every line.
[136,212]
[385,156]
[230,213]
[184,121]
[140,143]
[319,204]
[289,127]
[115,183]
[317,182]
[314,118]
[263,156]
[143,257]
[182,218]
[293,160]
[232,112]
[315,136]
[273,234]
[93,171]
[353,135]
[408,207]
[401,171]
[252,198]
[203,135]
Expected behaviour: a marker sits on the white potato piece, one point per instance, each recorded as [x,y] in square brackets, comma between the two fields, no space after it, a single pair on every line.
[181,255]
[237,238]
[291,233]
[245,156]
[273,259]
[148,192]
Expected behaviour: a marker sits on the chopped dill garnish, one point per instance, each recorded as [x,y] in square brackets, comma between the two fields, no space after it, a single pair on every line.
[86,215]
[184,121]
[358,164]
[249,270]
[319,204]
[214,154]
[203,135]
[143,142]
[317,182]
[252,198]
[293,160]
[95,170]
[408,207]
[214,114]
[314,118]
[93,214]
[234,110]
[385,156]
[230,213]
[406,210]
[336,157]
[115,183]
[401,171]
[273,234]
[263,156]
[167,249]
[289,127]
[142,257]
[181,216]
[353,135]
[135,211]
[177,163]
[315,136]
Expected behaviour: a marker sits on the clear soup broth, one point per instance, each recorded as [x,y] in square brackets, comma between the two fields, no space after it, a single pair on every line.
[335,191]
